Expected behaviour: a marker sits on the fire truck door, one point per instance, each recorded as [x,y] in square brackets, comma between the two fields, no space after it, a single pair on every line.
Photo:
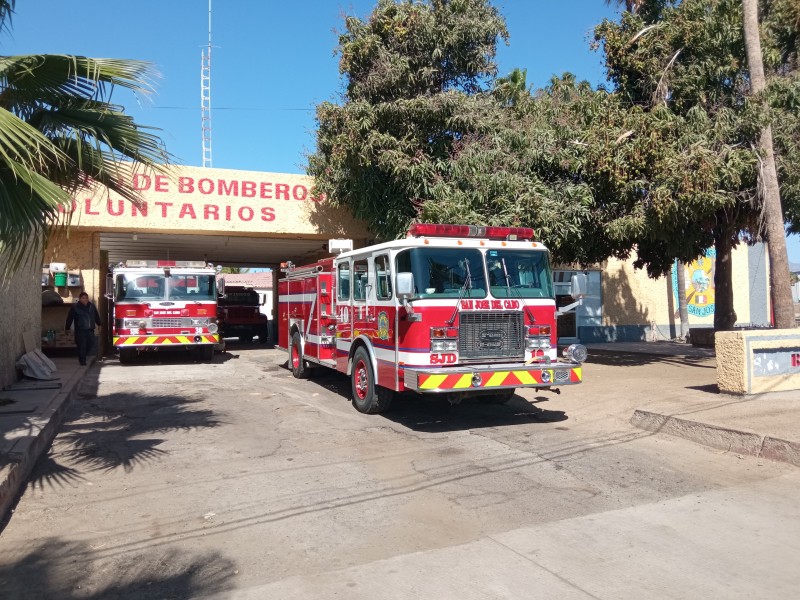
[344,314]
[363,300]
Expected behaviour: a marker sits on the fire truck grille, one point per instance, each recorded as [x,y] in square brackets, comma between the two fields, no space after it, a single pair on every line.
[163,322]
[491,335]
[562,376]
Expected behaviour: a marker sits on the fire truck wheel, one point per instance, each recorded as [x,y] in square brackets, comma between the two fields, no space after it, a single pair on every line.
[206,352]
[296,362]
[501,397]
[126,355]
[367,396]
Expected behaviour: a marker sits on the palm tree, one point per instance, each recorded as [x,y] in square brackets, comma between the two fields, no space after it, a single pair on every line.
[59,132]
[780,286]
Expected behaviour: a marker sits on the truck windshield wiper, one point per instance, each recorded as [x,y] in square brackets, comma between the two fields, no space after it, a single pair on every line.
[467,285]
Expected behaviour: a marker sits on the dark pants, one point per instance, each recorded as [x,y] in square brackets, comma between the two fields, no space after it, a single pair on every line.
[85,340]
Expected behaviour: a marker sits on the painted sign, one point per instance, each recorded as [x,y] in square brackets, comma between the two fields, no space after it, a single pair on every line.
[214,200]
[776,361]
[699,277]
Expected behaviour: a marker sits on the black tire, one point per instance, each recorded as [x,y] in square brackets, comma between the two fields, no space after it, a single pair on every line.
[299,367]
[501,397]
[263,335]
[368,397]
[206,352]
[126,355]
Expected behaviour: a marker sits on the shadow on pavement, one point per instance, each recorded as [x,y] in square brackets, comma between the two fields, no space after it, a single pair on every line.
[433,413]
[106,432]
[66,570]
[623,359]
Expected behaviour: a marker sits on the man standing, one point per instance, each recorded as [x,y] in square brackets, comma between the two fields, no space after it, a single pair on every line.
[86,317]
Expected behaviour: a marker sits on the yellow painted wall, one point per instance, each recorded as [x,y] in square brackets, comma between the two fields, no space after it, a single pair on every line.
[198,200]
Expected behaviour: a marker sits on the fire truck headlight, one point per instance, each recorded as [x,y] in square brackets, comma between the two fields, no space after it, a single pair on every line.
[534,343]
[212,328]
[199,322]
[133,324]
[576,353]
[444,345]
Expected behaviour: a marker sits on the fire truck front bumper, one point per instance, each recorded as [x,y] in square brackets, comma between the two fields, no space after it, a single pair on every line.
[151,341]
[477,378]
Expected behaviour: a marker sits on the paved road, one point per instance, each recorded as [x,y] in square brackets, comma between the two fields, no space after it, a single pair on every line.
[174,479]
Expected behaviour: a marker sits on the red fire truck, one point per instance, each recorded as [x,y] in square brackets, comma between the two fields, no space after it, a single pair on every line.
[163,305]
[452,309]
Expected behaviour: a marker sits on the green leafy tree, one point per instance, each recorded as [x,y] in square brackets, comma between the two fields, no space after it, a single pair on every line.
[689,58]
[58,132]
[415,75]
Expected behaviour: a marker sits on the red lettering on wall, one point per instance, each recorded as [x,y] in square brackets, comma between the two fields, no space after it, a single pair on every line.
[246,213]
[72,208]
[248,189]
[267,213]
[88,207]
[281,189]
[163,206]
[111,211]
[162,184]
[228,189]
[211,210]
[796,360]
[266,190]
[227,213]
[300,192]
[185,185]
[187,209]
[205,186]
[142,208]
[141,182]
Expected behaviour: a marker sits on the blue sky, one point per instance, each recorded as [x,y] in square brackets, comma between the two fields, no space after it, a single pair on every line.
[272,63]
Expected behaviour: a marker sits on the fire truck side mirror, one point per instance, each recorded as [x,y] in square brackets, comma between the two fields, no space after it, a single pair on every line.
[578,287]
[405,286]
[221,288]
[262,299]
[109,286]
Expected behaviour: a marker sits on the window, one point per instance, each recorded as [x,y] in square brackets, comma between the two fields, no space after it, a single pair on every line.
[519,274]
[360,279]
[343,282]
[383,277]
[443,272]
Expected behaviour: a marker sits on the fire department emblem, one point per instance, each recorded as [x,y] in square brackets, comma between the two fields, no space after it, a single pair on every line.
[383,326]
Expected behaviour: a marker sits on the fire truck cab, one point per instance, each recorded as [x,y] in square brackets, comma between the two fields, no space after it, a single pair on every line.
[163,305]
[452,309]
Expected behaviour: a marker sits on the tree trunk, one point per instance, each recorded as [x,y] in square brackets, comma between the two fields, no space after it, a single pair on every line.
[724,314]
[780,286]
[683,307]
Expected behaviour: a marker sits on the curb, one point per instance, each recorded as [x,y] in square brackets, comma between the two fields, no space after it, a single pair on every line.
[14,475]
[722,438]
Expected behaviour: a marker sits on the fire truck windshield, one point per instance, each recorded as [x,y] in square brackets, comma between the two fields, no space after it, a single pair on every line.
[442,272]
[519,274]
[156,287]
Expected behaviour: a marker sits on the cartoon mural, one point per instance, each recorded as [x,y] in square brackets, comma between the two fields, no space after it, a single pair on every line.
[699,284]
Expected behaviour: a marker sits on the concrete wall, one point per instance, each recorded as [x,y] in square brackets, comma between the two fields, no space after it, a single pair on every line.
[638,308]
[754,362]
[20,314]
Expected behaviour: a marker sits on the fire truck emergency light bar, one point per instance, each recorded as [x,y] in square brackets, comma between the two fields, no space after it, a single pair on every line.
[190,264]
[473,231]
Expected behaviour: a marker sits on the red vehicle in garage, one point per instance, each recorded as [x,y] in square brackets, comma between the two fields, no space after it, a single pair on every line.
[452,309]
[163,305]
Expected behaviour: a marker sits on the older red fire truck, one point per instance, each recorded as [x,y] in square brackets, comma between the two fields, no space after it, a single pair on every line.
[452,309]
[163,305]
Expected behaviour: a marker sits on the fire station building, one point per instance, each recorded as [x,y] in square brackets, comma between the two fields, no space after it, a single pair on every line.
[258,219]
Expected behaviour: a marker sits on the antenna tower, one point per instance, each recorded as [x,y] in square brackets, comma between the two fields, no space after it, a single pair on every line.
[205,95]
